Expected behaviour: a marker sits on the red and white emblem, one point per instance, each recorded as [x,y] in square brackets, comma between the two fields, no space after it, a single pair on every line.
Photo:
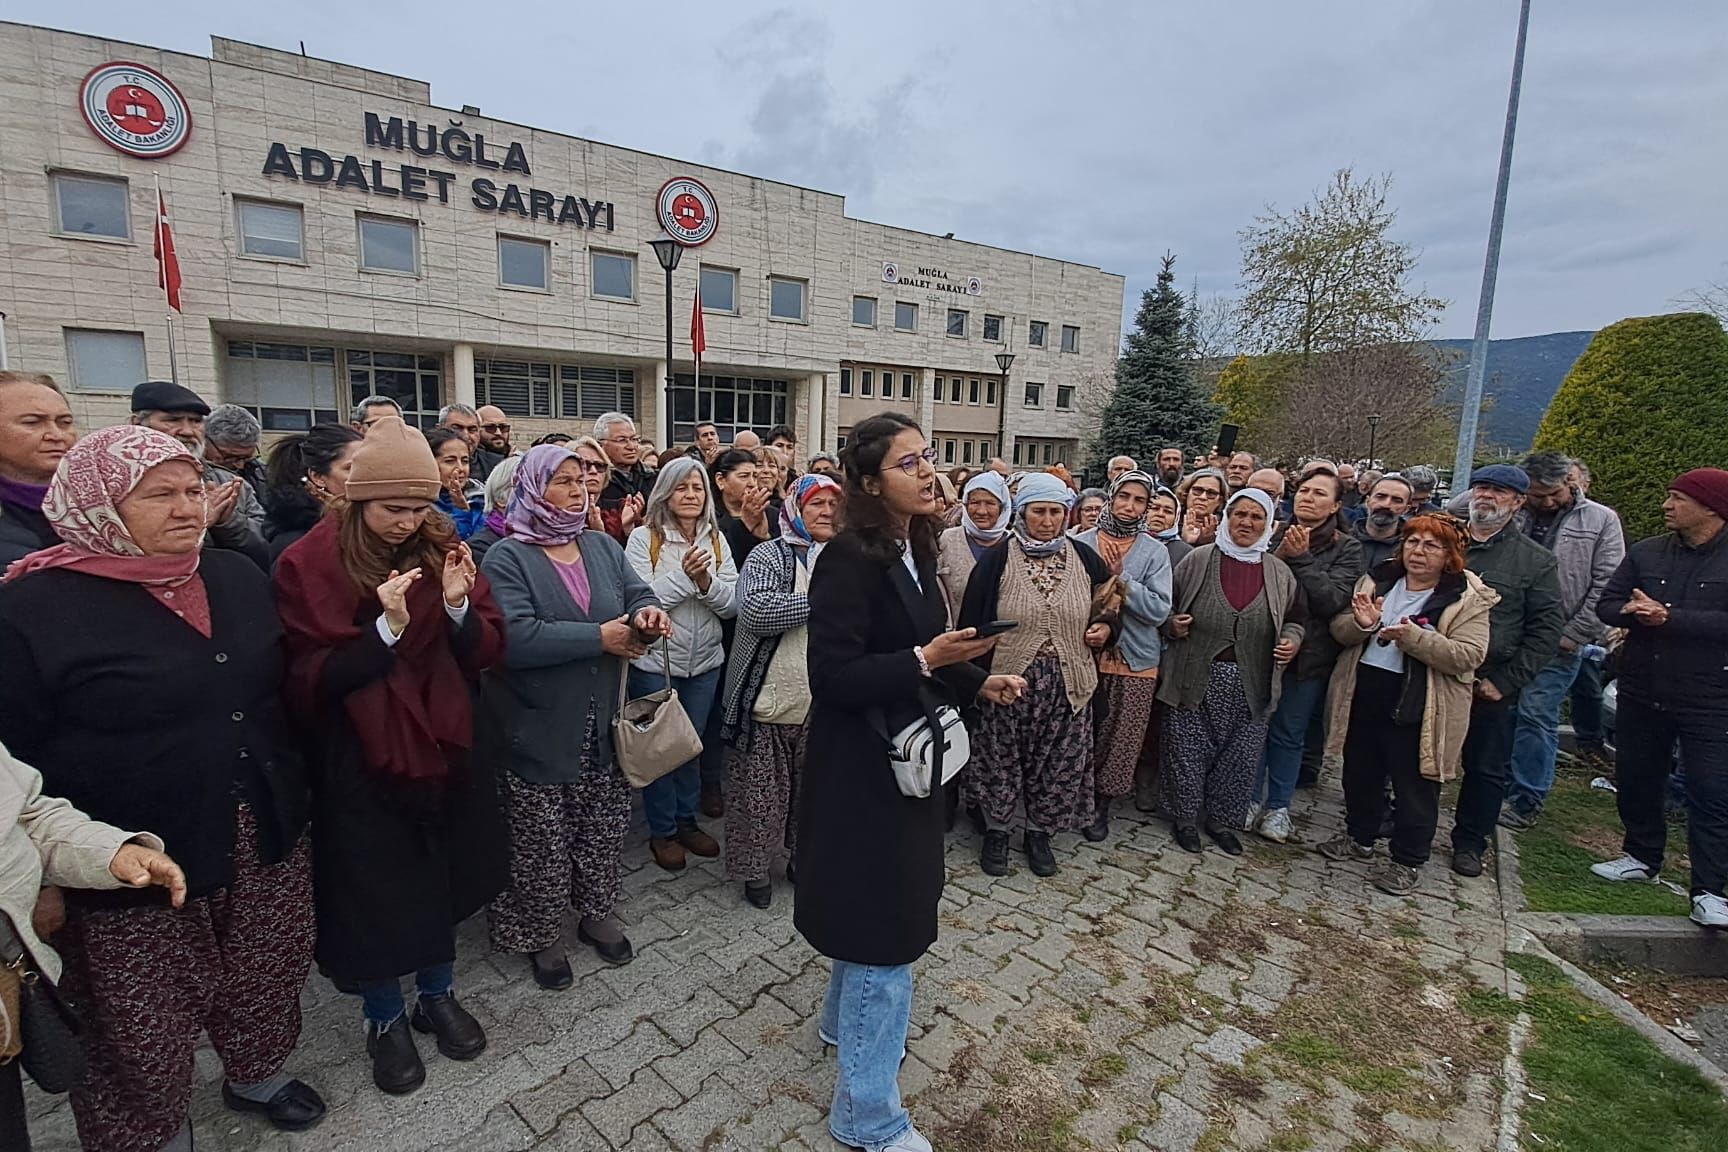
[687,211]
[135,110]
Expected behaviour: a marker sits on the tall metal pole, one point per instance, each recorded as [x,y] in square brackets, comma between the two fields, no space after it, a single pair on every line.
[1467,419]
[671,432]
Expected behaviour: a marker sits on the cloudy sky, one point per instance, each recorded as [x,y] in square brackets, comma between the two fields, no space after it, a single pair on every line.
[1108,132]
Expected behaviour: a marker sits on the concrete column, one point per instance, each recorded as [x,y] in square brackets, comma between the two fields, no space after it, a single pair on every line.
[927,401]
[462,374]
[656,402]
[815,432]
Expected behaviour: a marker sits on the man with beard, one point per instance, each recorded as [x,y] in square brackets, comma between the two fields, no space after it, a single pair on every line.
[236,516]
[1382,529]
[494,443]
[1170,467]
[1524,633]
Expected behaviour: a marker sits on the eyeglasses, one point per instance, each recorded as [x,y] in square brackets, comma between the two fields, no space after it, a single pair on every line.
[623,439]
[1418,544]
[909,464]
[495,427]
[590,467]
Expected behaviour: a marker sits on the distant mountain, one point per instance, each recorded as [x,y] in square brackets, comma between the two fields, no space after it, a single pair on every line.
[1523,375]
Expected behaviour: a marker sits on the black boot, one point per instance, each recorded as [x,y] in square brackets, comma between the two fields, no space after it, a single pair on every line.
[551,968]
[396,1066]
[1038,853]
[295,1107]
[1224,838]
[1099,829]
[1188,837]
[460,1036]
[994,857]
[759,893]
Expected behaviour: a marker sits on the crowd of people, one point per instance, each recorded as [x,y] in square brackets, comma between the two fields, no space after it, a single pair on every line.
[349,695]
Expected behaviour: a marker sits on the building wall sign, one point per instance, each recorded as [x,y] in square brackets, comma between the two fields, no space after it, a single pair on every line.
[687,211]
[416,182]
[933,279]
[135,110]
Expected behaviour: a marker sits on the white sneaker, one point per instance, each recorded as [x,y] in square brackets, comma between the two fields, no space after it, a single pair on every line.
[1275,825]
[1625,868]
[1252,818]
[1709,910]
[910,1140]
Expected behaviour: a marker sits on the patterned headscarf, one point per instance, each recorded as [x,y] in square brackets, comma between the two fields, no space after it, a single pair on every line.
[530,516]
[1112,525]
[992,482]
[83,505]
[792,528]
[1039,488]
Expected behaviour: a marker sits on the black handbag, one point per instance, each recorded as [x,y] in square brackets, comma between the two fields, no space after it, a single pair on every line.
[53,1037]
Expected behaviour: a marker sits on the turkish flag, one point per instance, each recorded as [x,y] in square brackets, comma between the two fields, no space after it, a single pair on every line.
[698,335]
[168,275]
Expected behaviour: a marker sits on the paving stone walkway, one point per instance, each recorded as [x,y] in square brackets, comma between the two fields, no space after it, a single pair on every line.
[1142,999]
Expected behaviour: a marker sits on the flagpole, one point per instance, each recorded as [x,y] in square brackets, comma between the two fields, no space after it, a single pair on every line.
[162,281]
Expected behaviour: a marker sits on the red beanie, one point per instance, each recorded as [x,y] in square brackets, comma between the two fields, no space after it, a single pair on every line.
[1708,486]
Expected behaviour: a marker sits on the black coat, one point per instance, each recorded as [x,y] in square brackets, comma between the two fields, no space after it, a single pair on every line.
[870,867]
[1681,665]
[140,721]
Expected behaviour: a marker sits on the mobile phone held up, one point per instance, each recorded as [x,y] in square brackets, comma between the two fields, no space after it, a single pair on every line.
[996,628]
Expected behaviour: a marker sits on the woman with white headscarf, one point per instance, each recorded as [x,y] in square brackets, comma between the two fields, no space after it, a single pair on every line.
[1038,750]
[986,512]
[1237,621]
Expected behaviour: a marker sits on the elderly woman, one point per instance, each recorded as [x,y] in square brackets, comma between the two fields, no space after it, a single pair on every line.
[1087,509]
[1238,620]
[1413,636]
[984,524]
[573,613]
[142,677]
[1202,495]
[46,841]
[462,500]
[500,482]
[1039,750]
[1128,672]
[307,472]
[1162,521]
[389,628]
[767,696]
[682,555]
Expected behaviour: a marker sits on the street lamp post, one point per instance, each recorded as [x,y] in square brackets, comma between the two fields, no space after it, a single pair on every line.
[1004,361]
[1373,428]
[667,251]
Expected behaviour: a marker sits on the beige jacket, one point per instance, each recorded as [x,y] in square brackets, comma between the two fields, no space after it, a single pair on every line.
[47,841]
[1451,651]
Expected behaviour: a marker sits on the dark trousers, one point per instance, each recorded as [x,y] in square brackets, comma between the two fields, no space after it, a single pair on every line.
[1377,750]
[1644,740]
[14,1134]
[1487,771]
[1587,705]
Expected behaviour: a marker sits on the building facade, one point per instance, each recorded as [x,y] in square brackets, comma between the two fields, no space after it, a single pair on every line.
[338,235]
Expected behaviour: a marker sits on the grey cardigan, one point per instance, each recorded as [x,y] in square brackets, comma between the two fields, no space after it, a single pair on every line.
[1187,665]
[555,670]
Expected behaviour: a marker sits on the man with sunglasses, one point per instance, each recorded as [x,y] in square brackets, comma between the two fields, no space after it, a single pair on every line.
[494,442]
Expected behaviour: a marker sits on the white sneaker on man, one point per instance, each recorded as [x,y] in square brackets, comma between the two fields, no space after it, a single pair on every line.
[1709,910]
[1275,825]
[1625,868]
[1252,818]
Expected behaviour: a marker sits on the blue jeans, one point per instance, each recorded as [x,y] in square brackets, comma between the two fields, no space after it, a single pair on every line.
[381,1000]
[1536,739]
[1298,706]
[672,799]
[867,1009]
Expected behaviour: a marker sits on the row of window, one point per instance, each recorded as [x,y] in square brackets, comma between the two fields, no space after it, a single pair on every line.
[1041,452]
[986,449]
[871,383]
[866,381]
[959,323]
[731,403]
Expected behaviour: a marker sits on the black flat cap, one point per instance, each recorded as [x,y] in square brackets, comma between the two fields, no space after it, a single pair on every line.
[161,396]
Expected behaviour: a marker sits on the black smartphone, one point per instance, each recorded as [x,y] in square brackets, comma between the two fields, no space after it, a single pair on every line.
[1227,439]
[996,628]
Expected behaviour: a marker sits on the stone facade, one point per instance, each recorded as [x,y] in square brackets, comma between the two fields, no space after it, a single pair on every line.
[295,327]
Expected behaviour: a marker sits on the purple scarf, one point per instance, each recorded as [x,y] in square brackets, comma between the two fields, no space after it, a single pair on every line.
[25,497]
[530,518]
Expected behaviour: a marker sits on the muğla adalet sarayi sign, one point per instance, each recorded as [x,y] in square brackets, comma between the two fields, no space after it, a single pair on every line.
[933,279]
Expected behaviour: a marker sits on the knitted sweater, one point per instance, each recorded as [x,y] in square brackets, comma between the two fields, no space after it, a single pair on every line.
[1001,589]
[1187,662]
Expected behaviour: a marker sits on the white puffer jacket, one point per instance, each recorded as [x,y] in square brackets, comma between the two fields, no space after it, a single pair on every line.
[698,640]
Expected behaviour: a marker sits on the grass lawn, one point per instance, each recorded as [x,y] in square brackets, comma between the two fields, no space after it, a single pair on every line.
[1602,1086]
[1579,827]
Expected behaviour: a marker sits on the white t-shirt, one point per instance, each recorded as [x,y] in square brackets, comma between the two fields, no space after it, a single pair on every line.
[1399,603]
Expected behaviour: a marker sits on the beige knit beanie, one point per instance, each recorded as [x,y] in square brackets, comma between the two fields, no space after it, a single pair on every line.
[393,463]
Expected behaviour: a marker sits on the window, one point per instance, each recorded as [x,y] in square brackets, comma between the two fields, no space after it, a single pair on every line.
[1017,447]
[91,206]
[905,317]
[1034,395]
[587,393]
[105,361]
[1048,450]
[524,264]
[990,393]
[1036,333]
[389,245]
[845,381]
[984,452]
[1070,338]
[719,291]
[520,388]
[1064,397]
[733,403]
[613,276]
[965,451]
[864,311]
[905,385]
[785,299]
[414,381]
[957,322]
[869,383]
[993,329]
[947,451]
[271,231]
[289,387]
[972,391]
[954,390]
[941,390]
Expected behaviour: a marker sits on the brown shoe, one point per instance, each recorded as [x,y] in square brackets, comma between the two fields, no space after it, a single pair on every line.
[669,854]
[698,841]
[713,803]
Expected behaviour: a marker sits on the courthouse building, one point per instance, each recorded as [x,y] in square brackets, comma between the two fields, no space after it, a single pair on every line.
[340,235]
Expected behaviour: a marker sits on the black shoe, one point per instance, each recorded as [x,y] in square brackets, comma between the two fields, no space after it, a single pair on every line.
[614,953]
[1188,837]
[1224,838]
[553,975]
[293,1109]
[994,856]
[759,893]
[396,1066]
[460,1036]
[1099,829]
[1467,863]
[1038,854]
[976,815]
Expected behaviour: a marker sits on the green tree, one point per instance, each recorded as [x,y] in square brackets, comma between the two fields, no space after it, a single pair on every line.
[1253,392]
[1647,401]
[1157,400]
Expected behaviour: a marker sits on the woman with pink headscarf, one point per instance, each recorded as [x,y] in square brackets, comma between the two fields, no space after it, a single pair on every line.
[142,679]
[573,609]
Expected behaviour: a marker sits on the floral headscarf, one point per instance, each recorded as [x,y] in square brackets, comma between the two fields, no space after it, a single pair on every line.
[530,516]
[792,528]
